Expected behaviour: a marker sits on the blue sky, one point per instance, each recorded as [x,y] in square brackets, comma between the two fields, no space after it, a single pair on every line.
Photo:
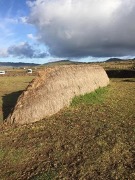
[16,32]
[40,30]
[10,25]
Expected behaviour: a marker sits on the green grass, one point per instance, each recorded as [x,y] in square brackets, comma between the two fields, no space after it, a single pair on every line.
[50,175]
[2,154]
[97,96]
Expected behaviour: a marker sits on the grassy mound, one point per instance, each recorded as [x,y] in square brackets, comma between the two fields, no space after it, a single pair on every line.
[85,141]
[53,90]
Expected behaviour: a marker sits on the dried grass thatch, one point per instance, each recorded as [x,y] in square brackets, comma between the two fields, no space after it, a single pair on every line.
[54,89]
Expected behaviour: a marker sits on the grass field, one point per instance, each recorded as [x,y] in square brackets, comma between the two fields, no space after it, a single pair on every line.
[10,88]
[118,65]
[85,141]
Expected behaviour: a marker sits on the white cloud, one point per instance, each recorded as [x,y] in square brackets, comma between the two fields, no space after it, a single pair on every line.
[23,19]
[31,36]
[73,28]
[25,50]
[3,53]
[16,20]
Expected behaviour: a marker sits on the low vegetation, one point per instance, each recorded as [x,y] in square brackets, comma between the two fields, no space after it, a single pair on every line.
[85,141]
[118,65]
[90,98]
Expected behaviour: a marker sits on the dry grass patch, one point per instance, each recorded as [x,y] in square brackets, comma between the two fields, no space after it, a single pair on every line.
[10,89]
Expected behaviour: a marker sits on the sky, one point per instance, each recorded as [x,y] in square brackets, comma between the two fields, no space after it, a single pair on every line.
[40,31]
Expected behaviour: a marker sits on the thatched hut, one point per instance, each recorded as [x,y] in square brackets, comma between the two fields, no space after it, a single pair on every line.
[54,89]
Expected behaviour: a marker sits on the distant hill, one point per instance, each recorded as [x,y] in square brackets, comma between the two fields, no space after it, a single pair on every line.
[19,64]
[114,59]
[62,62]
[118,59]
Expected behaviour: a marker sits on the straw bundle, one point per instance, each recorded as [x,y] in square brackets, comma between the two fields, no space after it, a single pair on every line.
[54,89]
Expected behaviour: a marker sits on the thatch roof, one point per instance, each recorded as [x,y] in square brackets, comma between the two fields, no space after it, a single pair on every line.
[54,89]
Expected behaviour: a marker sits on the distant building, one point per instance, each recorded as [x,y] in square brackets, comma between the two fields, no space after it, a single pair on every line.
[29,71]
[2,72]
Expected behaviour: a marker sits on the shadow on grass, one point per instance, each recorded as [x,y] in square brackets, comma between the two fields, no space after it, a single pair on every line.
[9,102]
[121,73]
[129,80]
